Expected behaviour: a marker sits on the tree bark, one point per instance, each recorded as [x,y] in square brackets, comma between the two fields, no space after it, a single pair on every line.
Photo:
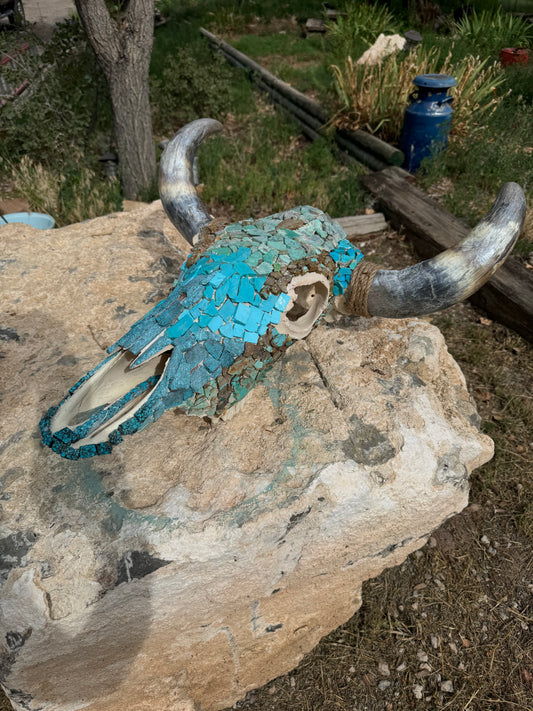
[123,48]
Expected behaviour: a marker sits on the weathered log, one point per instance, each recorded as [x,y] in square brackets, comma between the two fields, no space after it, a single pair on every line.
[313,128]
[389,154]
[314,26]
[358,225]
[507,296]
[358,143]
[297,97]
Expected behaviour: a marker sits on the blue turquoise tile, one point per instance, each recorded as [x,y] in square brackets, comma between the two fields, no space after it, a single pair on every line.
[212,365]
[181,378]
[236,348]
[278,339]
[227,330]
[227,310]
[258,283]
[233,287]
[238,330]
[246,291]
[242,313]
[215,323]
[199,376]
[243,253]
[217,278]
[252,323]
[244,269]
[227,269]
[196,354]
[250,337]
[214,348]
[270,302]
[221,293]
[211,309]
[227,357]
[183,323]
[282,302]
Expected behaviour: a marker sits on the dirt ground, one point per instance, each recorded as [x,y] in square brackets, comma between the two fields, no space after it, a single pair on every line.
[43,14]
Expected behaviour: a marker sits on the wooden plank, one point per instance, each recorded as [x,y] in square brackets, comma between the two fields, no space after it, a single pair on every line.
[507,296]
[358,225]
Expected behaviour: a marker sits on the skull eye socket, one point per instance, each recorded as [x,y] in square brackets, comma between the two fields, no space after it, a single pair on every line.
[309,294]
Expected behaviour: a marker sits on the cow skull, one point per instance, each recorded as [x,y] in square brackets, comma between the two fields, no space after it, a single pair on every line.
[244,294]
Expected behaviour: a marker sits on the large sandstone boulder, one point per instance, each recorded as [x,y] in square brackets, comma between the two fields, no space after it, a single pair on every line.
[197,562]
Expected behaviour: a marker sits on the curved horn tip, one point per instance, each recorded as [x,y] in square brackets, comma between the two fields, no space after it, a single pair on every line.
[176,182]
[457,273]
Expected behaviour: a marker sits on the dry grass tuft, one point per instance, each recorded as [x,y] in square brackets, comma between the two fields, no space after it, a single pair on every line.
[375,97]
[71,196]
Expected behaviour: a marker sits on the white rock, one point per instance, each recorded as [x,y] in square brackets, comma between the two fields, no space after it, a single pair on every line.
[447,687]
[383,669]
[418,691]
[196,563]
[384,46]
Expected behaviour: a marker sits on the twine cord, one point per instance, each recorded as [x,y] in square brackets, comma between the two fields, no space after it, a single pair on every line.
[356,294]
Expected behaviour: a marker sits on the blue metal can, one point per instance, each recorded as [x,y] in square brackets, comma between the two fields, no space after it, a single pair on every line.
[427,119]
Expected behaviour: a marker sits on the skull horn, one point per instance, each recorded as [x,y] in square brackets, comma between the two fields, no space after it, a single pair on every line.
[451,276]
[176,183]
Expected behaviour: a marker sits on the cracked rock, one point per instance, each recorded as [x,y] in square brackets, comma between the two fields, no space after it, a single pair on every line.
[197,562]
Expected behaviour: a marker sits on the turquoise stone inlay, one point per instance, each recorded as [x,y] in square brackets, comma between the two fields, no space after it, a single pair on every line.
[217,329]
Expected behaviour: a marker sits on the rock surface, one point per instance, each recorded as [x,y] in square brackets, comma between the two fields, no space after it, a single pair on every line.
[197,562]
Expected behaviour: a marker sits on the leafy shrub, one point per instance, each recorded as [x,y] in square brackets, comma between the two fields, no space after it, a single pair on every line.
[519,79]
[74,194]
[362,23]
[491,31]
[67,103]
[192,85]
[375,97]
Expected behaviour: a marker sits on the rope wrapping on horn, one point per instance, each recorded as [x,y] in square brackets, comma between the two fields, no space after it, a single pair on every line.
[356,294]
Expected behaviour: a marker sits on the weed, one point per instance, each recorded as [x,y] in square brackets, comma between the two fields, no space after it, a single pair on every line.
[375,97]
[491,31]
[75,194]
[71,94]
[360,22]
[194,84]
[478,169]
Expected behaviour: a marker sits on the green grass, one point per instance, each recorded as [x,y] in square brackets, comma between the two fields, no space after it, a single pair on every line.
[288,45]
[502,152]
[267,166]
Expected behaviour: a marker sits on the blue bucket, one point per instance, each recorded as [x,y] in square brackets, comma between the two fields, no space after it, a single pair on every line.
[35,219]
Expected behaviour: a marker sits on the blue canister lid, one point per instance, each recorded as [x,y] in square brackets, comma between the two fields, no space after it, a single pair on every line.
[435,81]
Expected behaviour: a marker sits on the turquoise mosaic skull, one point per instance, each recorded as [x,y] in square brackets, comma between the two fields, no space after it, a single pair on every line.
[246,291]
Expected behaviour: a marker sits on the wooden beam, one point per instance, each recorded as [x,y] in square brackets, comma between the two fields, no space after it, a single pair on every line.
[359,225]
[507,296]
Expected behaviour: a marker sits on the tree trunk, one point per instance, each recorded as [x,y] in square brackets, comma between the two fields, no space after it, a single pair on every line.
[123,49]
